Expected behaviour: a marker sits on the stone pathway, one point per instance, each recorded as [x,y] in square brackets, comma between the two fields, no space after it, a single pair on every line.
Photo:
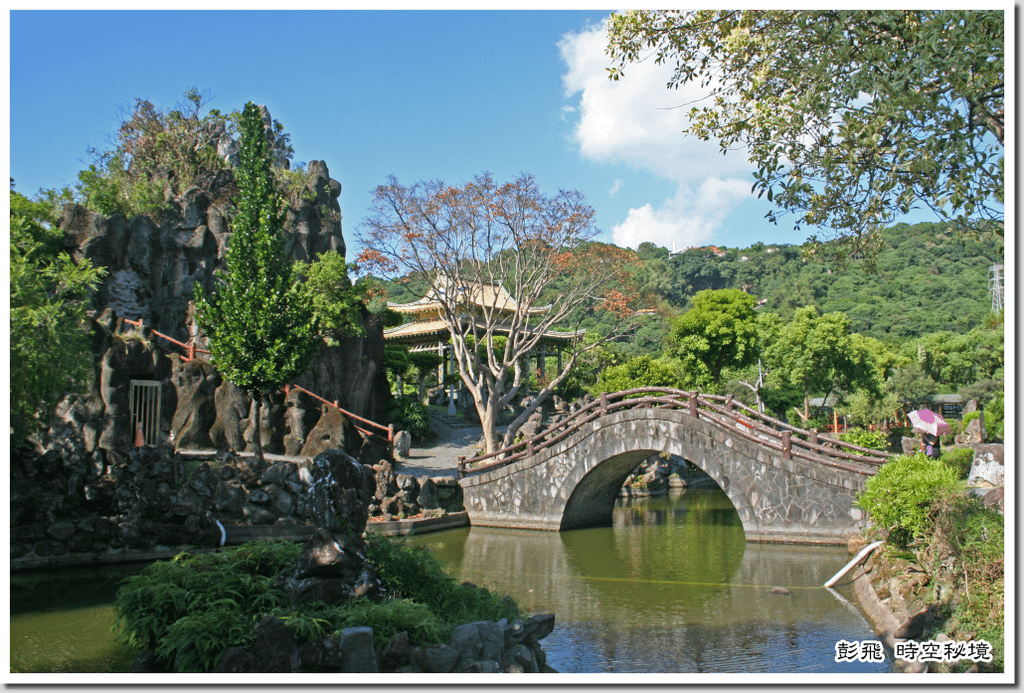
[440,457]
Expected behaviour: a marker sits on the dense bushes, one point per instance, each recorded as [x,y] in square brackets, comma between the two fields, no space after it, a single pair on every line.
[407,413]
[916,503]
[959,459]
[193,608]
[898,497]
[876,440]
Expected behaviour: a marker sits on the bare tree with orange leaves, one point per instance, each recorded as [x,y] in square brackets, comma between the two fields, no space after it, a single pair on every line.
[506,264]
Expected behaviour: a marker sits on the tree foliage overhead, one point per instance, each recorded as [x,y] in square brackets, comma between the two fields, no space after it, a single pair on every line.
[261,322]
[456,241]
[852,117]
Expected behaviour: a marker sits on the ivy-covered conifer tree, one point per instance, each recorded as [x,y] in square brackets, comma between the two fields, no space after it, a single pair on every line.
[260,321]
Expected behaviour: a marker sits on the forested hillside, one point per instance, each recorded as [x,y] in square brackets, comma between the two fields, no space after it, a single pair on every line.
[924,280]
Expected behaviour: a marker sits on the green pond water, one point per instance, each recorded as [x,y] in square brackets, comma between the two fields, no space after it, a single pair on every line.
[671,587]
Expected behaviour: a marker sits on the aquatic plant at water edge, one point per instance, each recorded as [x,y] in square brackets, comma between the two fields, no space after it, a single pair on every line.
[193,607]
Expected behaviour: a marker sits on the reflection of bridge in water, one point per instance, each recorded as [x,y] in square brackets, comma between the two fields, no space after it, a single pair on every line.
[686,595]
[786,484]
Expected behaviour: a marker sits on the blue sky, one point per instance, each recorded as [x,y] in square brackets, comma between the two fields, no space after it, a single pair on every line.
[421,95]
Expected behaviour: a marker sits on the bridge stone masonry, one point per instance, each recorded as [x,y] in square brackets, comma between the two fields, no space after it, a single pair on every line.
[785,484]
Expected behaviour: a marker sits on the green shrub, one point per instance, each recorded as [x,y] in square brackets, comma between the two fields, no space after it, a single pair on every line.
[898,497]
[876,440]
[416,574]
[959,459]
[994,414]
[640,371]
[407,413]
[192,608]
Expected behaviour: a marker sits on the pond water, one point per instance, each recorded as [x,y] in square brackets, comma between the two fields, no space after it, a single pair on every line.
[62,620]
[672,586]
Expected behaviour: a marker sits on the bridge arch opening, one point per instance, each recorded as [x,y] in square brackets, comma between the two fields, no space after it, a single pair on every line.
[592,502]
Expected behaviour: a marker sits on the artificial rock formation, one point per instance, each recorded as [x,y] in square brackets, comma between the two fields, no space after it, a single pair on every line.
[152,267]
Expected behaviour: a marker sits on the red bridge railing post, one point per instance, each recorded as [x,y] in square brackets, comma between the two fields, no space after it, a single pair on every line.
[604,403]
[787,445]
[693,404]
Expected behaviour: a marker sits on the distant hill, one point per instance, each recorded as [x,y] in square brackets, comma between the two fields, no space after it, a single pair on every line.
[925,280]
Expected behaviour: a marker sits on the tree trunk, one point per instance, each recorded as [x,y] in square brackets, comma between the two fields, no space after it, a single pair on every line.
[488,421]
[257,436]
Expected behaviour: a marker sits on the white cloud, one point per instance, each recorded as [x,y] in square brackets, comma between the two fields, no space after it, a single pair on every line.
[688,219]
[638,122]
[616,187]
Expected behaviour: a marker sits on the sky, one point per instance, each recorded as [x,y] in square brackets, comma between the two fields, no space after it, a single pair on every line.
[420,95]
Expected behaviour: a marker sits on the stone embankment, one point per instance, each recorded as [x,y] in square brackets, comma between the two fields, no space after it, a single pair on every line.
[152,502]
[483,647]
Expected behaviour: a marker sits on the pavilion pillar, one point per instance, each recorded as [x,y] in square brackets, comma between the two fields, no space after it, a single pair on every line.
[451,388]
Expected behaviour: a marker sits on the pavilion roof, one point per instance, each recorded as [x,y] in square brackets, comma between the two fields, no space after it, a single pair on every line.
[421,330]
[482,295]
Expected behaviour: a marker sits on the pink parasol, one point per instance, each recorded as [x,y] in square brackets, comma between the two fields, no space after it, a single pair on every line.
[928,421]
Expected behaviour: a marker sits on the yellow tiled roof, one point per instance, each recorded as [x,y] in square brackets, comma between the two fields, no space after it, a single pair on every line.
[426,328]
[489,296]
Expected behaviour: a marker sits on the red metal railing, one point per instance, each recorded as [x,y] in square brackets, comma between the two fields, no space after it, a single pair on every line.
[722,410]
[386,432]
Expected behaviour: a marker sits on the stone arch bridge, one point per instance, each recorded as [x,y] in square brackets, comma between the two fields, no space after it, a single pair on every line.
[786,484]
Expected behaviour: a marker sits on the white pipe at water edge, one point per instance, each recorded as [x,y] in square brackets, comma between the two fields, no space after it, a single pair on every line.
[856,559]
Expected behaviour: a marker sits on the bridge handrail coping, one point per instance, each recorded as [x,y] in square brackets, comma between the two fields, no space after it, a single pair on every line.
[874,458]
[672,398]
[782,425]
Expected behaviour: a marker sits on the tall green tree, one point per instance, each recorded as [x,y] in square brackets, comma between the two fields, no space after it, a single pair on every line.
[260,321]
[50,294]
[718,332]
[852,117]
[817,354]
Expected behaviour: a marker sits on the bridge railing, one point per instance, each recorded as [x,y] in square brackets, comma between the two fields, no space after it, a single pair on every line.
[747,423]
[369,428]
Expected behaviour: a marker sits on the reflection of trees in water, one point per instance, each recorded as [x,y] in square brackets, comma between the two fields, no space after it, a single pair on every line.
[659,567]
[689,596]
